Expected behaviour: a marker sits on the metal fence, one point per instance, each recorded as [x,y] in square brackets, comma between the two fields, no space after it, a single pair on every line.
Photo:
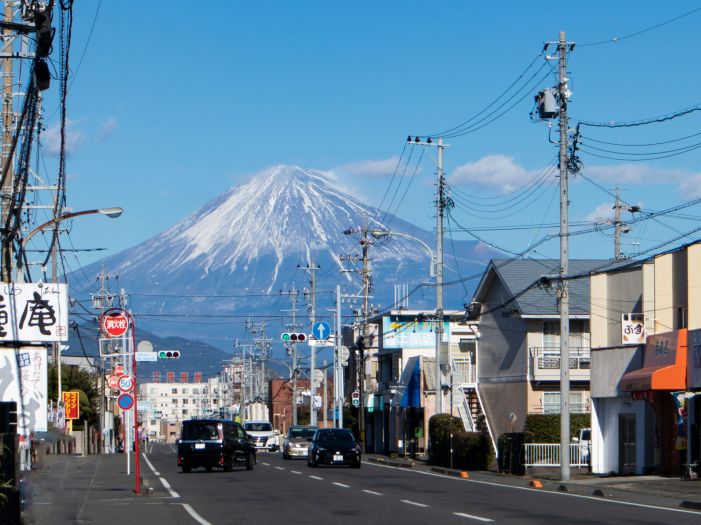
[548,455]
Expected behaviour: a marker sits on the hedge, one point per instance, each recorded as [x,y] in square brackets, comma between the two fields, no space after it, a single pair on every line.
[545,428]
[471,450]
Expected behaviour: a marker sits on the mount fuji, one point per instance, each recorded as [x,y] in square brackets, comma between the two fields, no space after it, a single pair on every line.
[233,257]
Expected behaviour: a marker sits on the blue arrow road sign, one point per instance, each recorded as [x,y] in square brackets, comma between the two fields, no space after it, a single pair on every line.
[321,330]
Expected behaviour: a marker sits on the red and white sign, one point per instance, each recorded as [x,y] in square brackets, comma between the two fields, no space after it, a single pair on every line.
[114,324]
[113,381]
[118,370]
[125,383]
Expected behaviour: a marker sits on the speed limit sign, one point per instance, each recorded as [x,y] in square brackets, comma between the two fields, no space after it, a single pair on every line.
[125,383]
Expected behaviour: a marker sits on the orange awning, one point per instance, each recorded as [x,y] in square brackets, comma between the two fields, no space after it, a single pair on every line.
[669,376]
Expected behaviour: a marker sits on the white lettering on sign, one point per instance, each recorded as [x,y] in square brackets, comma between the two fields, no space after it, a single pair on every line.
[120,323]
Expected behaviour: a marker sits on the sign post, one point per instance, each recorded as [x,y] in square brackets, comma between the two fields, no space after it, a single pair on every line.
[118,323]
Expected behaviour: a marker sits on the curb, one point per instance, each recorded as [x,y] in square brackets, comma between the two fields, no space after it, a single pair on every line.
[398,464]
[449,472]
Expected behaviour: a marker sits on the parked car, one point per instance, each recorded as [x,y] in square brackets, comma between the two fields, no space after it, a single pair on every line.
[213,443]
[333,446]
[583,437]
[263,435]
[296,442]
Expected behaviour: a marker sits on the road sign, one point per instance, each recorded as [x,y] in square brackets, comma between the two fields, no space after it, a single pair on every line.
[125,401]
[125,383]
[118,370]
[71,404]
[355,397]
[144,346]
[146,356]
[322,342]
[114,323]
[318,377]
[113,381]
[345,353]
[321,330]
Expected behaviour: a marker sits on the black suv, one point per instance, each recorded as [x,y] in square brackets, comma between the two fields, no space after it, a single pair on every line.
[333,446]
[213,443]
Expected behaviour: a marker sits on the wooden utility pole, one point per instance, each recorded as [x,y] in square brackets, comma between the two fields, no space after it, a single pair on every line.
[7,132]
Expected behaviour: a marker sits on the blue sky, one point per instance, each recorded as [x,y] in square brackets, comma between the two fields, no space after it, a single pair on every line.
[175,102]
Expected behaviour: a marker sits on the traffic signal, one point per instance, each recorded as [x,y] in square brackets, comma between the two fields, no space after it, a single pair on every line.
[293,337]
[168,354]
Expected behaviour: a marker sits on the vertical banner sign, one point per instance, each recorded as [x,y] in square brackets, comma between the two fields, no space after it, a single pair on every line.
[171,377]
[183,377]
[198,377]
[71,403]
[23,379]
[156,376]
[682,417]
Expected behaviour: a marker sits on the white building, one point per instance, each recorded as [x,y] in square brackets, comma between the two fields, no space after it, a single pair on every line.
[167,404]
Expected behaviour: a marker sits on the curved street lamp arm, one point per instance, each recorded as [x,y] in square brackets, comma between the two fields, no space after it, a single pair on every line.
[387,233]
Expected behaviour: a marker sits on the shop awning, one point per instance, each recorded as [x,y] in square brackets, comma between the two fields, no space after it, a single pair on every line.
[664,365]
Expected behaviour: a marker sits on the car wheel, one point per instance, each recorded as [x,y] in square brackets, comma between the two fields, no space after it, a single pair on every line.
[356,464]
[285,456]
[186,470]
[250,461]
[229,464]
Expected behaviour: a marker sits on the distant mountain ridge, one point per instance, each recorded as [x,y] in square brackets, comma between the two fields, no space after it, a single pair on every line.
[227,259]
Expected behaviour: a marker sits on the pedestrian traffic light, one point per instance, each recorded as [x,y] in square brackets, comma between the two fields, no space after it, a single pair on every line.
[168,354]
[293,337]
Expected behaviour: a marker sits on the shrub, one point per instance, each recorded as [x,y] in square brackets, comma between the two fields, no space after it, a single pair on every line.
[439,428]
[471,450]
[545,428]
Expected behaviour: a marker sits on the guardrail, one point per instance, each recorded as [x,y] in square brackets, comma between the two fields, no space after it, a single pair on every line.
[548,455]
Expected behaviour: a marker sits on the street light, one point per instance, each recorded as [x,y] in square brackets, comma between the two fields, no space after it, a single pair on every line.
[386,233]
[112,213]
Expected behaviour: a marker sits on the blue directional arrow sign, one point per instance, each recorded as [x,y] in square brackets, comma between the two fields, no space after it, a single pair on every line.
[321,330]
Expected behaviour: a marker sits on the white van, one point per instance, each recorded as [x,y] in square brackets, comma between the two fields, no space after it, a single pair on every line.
[262,433]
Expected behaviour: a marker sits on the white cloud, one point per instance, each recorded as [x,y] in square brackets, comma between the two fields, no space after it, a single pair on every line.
[371,168]
[51,139]
[494,171]
[106,129]
[691,186]
[602,213]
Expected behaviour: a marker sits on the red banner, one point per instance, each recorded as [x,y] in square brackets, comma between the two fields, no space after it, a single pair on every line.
[156,376]
[71,404]
[198,377]
[183,377]
[171,377]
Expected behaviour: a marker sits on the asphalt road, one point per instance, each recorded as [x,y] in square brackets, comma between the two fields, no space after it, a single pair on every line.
[279,491]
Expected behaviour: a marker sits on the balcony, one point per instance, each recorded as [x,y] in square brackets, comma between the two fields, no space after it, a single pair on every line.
[544,363]
[465,371]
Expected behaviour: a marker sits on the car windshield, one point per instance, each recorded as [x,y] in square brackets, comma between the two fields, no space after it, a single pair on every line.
[335,437]
[258,427]
[301,433]
[200,430]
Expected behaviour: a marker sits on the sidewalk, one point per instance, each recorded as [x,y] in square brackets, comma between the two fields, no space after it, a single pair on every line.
[670,492]
[76,489]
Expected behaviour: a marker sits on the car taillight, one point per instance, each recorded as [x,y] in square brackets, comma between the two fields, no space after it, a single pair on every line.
[180,461]
[221,460]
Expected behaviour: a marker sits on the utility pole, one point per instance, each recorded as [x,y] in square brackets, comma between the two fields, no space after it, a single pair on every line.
[365,242]
[440,203]
[293,327]
[563,92]
[7,132]
[312,268]
[338,367]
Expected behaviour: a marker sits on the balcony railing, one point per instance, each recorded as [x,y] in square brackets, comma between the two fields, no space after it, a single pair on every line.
[465,371]
[545,362]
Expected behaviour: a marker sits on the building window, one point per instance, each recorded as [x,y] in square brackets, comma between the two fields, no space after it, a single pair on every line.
[551,403]
[579,335]
[682,320]
[184,390]
[185,401]
[173,390]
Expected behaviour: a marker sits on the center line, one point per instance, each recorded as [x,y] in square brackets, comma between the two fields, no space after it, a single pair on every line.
[341,485]
[373,492]
[413,503]
[295,472]
[280,468]
[472,517]
[316,477]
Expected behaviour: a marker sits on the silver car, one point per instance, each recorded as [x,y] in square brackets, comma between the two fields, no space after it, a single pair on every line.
[296,441]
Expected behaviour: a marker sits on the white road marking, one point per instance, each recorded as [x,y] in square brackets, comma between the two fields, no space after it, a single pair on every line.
[167,486]
[317,477]
[295,472]
[163,481]
[194,514]
[341,485]
[413,503]
[150,465]
[280,468]
[266,464]
[471,516]
[529,489]
[373,492]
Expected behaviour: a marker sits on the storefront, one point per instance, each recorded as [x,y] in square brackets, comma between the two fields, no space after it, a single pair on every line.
[658,383]
[694,403]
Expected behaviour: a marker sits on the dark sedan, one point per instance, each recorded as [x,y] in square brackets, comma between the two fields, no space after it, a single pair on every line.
[333,446]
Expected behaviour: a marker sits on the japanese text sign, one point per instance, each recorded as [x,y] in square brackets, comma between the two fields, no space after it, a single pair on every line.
[33,312]
[71,403]
[23,379]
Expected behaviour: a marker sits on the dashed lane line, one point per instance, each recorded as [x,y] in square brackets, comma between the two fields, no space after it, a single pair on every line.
[280,468]
[414,503]
[341,485]
[317,477]
[373,492]
[266,464]
[472,516]
[295,471]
